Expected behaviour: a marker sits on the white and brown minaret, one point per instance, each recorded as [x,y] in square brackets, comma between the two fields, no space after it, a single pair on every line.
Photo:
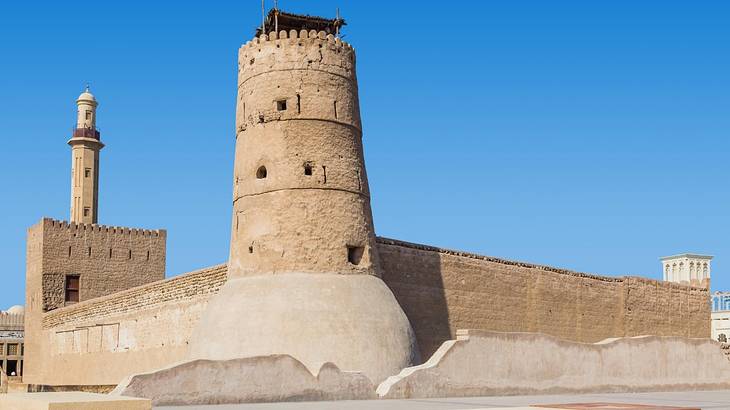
[85,146]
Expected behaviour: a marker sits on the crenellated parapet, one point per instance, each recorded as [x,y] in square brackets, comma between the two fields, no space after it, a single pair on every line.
[73,227]
[296,50]
[312,73]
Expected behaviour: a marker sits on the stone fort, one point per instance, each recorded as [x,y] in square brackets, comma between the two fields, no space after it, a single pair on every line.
[307,275]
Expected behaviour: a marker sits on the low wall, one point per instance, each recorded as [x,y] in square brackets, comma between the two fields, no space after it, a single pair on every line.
[260,379]
[442,290]
[482,363]
[103,340]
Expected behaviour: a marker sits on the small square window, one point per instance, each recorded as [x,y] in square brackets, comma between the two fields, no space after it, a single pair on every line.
[87,173]
[88,115]
[281,105]
[12,349]
[87,211]
[354,254]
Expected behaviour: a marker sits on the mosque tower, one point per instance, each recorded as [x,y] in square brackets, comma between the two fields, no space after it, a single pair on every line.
[85,146]
[304,277]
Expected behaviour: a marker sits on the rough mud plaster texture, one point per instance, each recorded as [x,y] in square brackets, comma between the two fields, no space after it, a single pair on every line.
[103,340]
[251,380]
[303,268]
[106,259]
[312,202]
[442,290]
[482,363]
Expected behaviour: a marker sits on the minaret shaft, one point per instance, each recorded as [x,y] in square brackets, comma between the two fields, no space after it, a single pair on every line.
[84,183]
[85,146]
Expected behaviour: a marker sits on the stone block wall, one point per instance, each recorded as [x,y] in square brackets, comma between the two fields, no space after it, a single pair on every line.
[442,291]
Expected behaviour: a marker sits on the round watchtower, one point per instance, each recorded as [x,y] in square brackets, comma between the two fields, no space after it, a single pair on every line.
[303,268]
[301,200]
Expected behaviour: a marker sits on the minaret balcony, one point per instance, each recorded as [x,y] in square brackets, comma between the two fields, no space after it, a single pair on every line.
[92,133]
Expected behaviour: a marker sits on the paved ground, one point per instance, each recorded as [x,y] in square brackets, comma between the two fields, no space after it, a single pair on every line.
[704,400]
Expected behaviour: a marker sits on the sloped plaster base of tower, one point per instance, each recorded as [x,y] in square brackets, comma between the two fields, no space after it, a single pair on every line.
[352,321]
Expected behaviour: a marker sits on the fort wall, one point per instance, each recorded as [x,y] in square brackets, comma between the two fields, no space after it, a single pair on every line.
[70,262]
[101,341]
[107,259]
[442,291]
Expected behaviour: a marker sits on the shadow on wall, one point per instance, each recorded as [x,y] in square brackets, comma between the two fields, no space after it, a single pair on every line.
[416,280]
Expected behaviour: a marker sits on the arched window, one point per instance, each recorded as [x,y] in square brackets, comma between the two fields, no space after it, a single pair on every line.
[261,172]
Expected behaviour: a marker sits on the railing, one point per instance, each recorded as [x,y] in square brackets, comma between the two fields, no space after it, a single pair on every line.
[86,133]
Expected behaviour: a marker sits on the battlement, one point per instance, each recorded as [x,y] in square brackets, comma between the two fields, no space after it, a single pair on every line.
[115,230]
[99,259]
[314,51]
[292,35]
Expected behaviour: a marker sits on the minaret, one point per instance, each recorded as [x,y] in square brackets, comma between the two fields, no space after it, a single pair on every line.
[303,274]
[85,146]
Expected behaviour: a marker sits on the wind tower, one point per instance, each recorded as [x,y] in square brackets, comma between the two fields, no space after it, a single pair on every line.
[85,146]
[304,275]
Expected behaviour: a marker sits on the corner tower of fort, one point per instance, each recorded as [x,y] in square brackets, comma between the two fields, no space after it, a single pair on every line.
[301,200]
[304,276]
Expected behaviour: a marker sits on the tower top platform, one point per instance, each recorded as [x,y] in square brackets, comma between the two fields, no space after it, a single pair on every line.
[277,20]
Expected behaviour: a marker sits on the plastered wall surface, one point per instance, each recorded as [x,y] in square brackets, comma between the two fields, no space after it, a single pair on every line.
[101,341]
[107,259]
[442,291]
[259,379]
[483,363]
[301,195]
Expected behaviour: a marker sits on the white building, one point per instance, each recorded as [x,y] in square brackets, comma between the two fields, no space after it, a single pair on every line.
[687,268]
[721,316]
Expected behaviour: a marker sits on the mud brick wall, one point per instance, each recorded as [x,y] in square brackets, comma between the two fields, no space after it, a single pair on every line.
[442,291]
[102,340]
[106,259]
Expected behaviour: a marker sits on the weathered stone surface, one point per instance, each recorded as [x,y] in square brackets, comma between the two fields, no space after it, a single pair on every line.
[71,401]
[103,340]
[352,321]
[443,290]
[107,260]
[482,363]
[273,378]
[300,194]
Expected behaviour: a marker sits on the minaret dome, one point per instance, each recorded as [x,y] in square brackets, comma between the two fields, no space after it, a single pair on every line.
[86,117]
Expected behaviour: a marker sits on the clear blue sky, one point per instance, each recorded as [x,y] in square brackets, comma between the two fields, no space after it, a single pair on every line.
[586,135]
